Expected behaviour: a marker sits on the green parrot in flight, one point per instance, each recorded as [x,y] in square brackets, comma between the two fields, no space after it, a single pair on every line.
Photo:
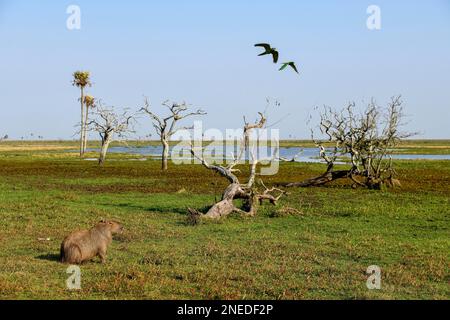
[268,50]
[290,64]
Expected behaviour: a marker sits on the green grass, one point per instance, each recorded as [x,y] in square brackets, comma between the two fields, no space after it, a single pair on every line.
[322,252]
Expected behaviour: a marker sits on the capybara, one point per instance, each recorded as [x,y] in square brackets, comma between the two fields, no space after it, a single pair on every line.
[81,246]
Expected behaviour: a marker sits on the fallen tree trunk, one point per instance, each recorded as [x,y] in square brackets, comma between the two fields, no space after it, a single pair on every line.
[226,205]
[330,176]
[235,191]
[327,177]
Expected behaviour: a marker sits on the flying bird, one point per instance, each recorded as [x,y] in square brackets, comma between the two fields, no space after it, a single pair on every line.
[268,50]
[290,64]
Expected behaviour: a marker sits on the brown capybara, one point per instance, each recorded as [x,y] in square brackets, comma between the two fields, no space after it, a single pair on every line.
[81,246]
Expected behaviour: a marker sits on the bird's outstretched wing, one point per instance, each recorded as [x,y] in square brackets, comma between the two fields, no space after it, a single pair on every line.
[283,66]
[275,55]
[292,64]
[266,46]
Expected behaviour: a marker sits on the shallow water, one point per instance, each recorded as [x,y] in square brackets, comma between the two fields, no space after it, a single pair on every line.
[300,154]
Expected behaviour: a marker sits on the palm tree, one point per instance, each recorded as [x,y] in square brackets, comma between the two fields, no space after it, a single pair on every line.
[89,102]
[81,79]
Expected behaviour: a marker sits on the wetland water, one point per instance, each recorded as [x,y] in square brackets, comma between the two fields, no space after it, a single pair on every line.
[301,154]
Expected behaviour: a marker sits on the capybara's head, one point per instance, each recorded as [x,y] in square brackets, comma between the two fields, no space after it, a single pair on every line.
[113,226]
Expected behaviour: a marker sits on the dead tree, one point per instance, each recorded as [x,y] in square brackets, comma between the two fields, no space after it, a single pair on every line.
[367,139]
[166,126]
[248,191]
[249,127]
[109,125]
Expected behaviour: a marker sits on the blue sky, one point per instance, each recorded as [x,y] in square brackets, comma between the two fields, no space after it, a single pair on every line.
[202,52]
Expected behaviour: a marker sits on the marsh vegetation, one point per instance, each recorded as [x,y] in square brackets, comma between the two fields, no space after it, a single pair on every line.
[306,247]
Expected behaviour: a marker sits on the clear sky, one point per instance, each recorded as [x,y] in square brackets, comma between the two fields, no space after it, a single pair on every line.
[202,51]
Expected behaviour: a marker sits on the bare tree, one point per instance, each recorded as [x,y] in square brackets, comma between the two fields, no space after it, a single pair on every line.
[81,79]
[5,137]
[166,126]
[109,125]
[248,191]
[368,139]
[249,127]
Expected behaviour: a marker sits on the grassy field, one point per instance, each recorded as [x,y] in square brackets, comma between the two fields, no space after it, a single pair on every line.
[321,252]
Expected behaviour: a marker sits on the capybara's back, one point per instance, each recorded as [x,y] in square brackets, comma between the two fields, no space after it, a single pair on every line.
[84,245]
[71,251]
